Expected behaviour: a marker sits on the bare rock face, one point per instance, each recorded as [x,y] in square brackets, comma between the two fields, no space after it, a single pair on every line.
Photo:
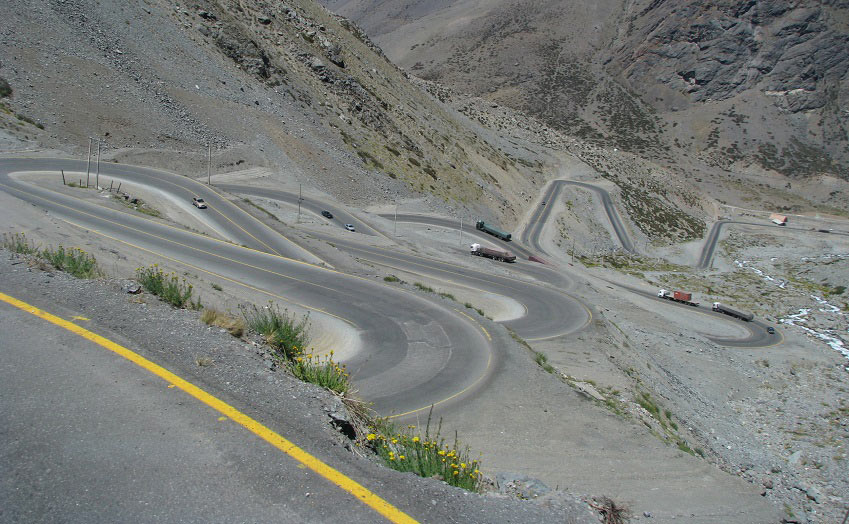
[713,51]
[733,84]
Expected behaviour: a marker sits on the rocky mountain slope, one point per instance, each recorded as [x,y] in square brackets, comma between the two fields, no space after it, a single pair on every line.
[758,88]
[290,87]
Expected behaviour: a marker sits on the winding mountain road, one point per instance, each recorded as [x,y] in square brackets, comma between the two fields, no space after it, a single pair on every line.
[542,311]
[417,352]
[539,217]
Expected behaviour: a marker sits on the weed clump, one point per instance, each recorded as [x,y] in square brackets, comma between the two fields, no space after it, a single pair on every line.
[289,338]
[234,325]
[286,335]
[542,360]
[19,243]
[74,261]
[427,456]
[322,371]
[422,287]
[168,287]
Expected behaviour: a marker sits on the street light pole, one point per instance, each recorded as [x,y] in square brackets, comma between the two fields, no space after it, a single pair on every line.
[461,231]
[97,176]
[395,224]
[208,164]
[88,166]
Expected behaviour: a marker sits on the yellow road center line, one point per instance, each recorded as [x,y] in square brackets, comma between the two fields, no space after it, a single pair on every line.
[351,486]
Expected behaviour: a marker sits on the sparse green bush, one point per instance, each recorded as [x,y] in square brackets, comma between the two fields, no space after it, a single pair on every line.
[169,288]
[644,400]
[19,243]
[426,456]
[74,261]
[423,287]
[391,278]
[542,359]
[685,448]
[322,371]
[286,335]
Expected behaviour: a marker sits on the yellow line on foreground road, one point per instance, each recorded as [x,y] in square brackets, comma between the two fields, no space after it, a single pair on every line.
[387,510]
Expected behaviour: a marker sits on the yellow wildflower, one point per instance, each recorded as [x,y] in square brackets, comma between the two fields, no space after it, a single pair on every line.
[370,436]
[415,439]
[456,472]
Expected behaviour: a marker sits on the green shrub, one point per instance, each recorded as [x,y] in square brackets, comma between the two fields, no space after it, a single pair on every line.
[169,288]
[479,310]
[423,287]
[287,336]
[542,359]
[391,278]
[74,261]
[644,399]
[426,456]
[19,243]
[322,371]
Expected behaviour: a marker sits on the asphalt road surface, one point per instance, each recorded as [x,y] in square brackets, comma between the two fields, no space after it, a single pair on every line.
[540,216]
[88,436]
[709,246]
[419,352]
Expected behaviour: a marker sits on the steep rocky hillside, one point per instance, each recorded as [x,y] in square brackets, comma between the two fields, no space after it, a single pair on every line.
[291,87]
[757,87]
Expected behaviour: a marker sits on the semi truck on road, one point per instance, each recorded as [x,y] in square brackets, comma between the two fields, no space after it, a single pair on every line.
[482,226]
[732,312]
[496,254]
[678,296]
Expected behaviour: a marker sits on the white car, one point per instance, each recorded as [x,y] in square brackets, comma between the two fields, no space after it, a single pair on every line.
[350,227]
[198,203]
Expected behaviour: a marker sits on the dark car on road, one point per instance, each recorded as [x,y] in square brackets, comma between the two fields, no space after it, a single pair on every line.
[327,214]
[770,330]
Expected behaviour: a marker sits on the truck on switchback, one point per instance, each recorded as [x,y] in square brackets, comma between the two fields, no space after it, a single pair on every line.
[480,225]
[495,254]
[732,312]
[678,296]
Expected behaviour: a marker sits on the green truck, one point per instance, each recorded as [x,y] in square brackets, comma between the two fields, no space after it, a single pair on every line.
[482,226]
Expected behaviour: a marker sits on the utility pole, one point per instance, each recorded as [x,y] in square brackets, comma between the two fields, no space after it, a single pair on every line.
[88,166]
[395,224]
[97,176]
[573,250]
[208,164]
